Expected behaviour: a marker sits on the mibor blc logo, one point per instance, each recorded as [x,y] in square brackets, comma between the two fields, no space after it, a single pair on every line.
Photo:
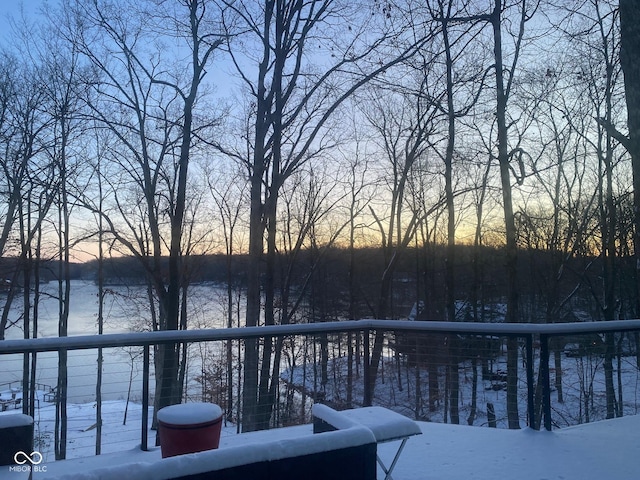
[26,462]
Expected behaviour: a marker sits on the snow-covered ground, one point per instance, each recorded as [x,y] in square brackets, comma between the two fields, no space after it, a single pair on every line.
[583,383]
[601,450]
[117,435]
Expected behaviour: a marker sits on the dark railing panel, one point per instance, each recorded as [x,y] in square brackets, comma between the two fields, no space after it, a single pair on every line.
[531,415]
[544,378]
[144,444]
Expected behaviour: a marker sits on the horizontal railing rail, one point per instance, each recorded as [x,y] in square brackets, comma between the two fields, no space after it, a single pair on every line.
[523,330]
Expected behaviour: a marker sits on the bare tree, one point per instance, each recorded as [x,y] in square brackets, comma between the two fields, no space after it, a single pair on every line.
[12,175]
[504,78]
[294,92]
[27,196]
[559,217]
[602,83]
[359,194]
[630,63]
[151,109]
[455,104]
[230,199]
[505,158]
[404,128]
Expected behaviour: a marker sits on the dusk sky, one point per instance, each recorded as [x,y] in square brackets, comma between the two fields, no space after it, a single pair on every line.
[11,8]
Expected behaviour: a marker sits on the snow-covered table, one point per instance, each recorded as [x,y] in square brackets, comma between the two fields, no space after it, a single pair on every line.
[279,454]
[386,425]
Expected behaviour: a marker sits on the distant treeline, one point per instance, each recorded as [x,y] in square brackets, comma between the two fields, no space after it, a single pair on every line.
[323,277]
[12,269]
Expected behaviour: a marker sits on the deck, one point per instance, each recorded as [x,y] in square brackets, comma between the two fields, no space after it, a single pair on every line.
[596,451]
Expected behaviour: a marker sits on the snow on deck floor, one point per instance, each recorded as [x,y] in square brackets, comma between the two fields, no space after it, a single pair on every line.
[598,451]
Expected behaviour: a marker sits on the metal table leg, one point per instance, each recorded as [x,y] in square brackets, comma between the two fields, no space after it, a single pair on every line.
[393,463]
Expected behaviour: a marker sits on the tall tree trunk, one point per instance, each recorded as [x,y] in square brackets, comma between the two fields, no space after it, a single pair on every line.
[170,383]
[512,314]
[265,399]
[64,290]
[101,296]
[36,311]
[229,343]
[26,261]
[454,398]
[608,223]
[256,231]
[250,379]
[630,61]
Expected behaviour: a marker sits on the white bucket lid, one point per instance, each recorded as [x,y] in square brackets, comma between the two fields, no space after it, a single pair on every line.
[189,413]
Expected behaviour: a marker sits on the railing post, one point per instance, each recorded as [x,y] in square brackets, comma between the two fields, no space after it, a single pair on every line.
[546,384]
[368,387]
[530,384]
[144,444]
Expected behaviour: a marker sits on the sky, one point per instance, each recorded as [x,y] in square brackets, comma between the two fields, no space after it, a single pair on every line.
[11,9]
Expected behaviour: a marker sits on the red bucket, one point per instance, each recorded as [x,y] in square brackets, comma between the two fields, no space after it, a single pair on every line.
[189,428]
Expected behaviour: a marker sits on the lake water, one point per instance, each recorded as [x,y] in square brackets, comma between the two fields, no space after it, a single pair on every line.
[126,310]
